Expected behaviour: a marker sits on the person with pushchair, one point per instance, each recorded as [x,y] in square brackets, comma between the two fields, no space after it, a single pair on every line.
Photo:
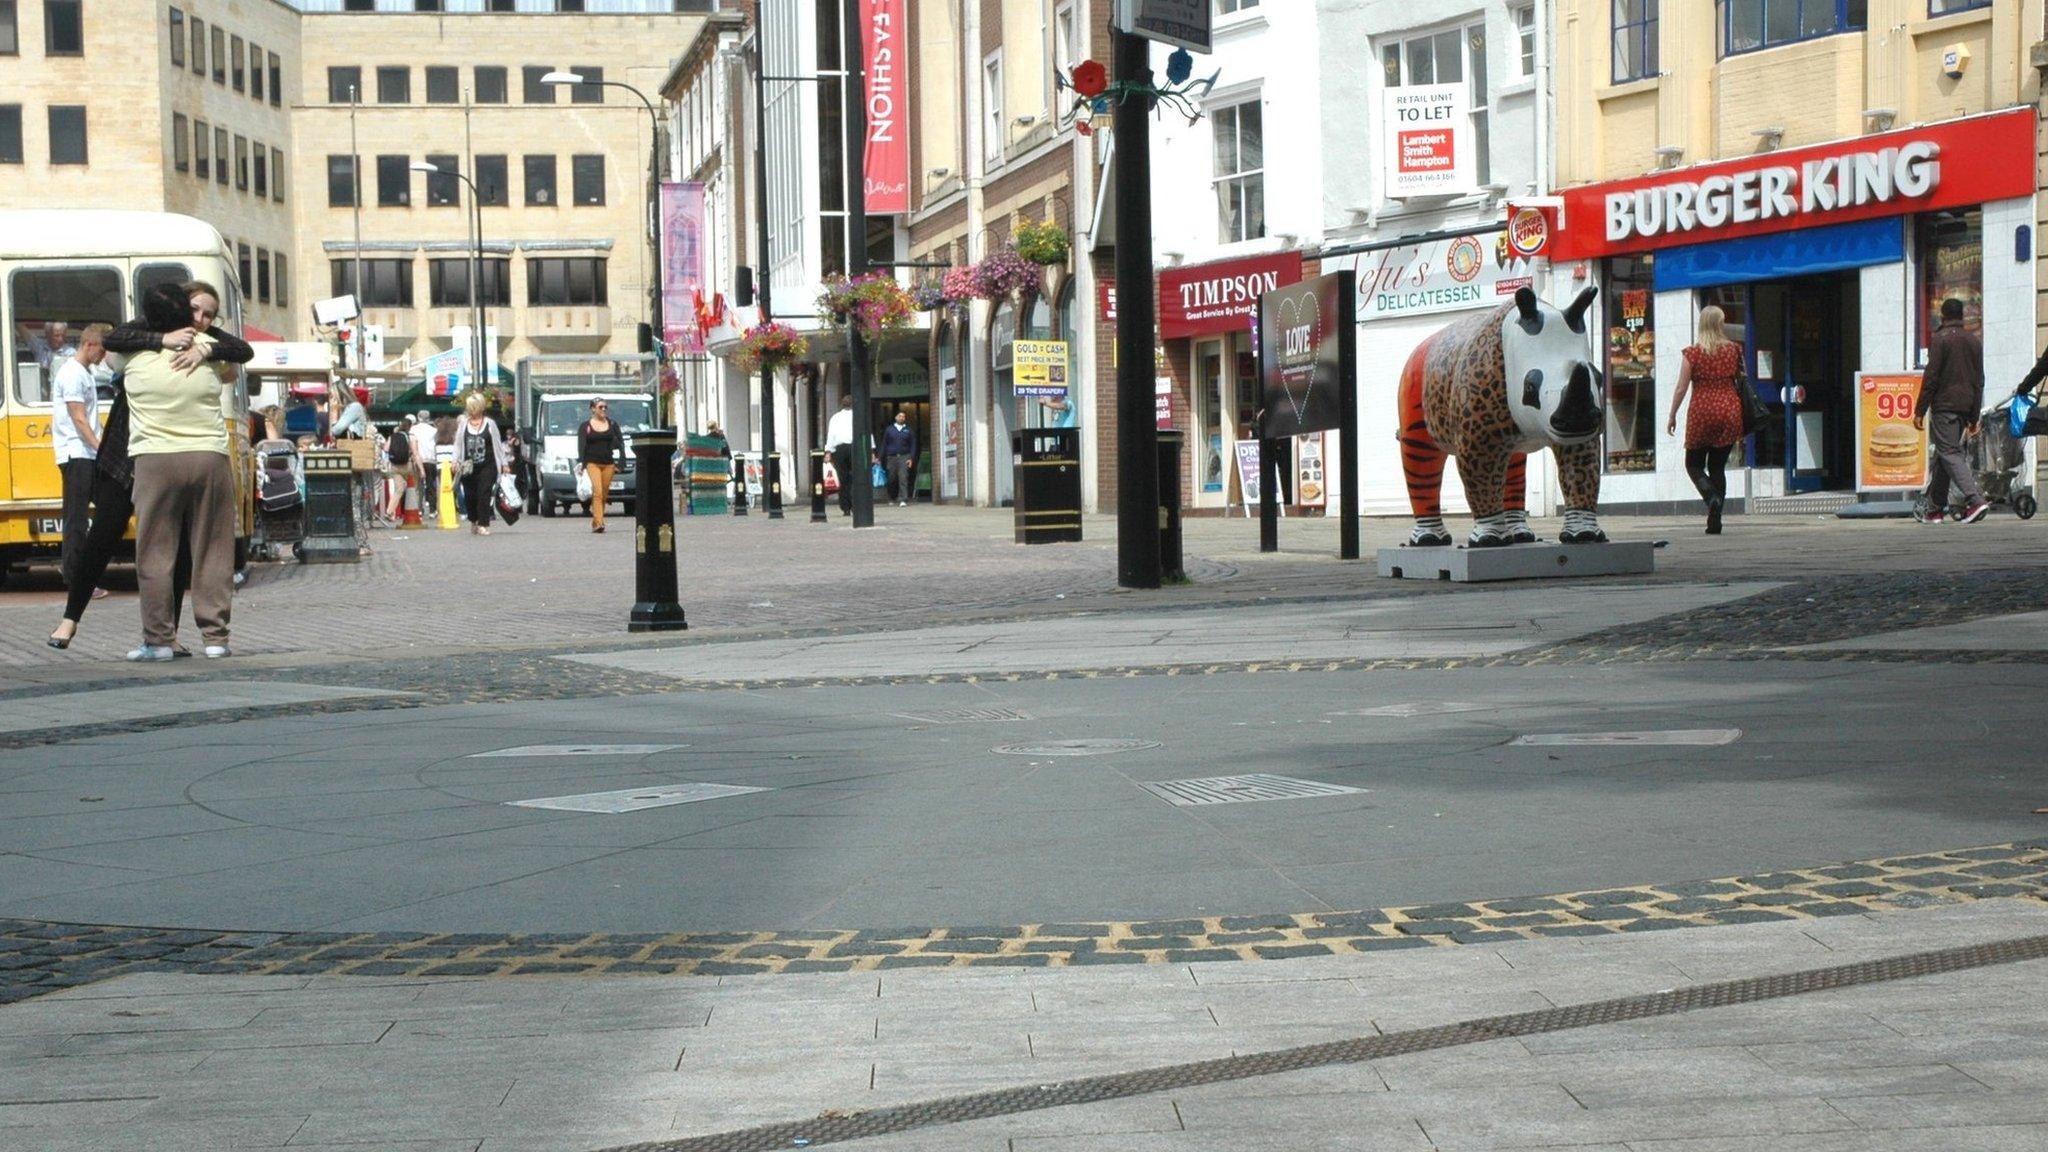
[1952,393]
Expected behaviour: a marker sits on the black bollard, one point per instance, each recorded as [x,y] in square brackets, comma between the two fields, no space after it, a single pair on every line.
[818,485]
[655,608]
[739,487]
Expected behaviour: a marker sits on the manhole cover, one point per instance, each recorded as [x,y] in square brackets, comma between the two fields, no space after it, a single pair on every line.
[1698,737]
[1417,708]
[965,716]
[1241,789]
[634,799]
[580,750]
[1074,747]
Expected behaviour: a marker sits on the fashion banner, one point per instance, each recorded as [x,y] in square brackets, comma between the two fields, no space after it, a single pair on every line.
[1308,352]
[1891,454]
[887,154]
[682,265]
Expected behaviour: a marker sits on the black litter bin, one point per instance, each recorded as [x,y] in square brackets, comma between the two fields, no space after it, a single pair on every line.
[1170,445]
[330,510]
[1048,484]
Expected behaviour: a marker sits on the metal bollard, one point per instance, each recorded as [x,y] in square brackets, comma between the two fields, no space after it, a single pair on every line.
[655,607]
[818,485]
[739,487]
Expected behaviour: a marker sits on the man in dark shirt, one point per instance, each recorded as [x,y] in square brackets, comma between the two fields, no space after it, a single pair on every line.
[899,453]
[1952,390]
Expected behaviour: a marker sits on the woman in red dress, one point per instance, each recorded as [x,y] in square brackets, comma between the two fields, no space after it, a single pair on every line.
[1714,425]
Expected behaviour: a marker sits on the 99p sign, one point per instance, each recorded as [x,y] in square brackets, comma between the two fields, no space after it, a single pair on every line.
[1891,454]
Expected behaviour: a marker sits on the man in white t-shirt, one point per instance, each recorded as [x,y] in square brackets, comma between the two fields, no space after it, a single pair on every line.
[839,442]
[75,434]
[422,434]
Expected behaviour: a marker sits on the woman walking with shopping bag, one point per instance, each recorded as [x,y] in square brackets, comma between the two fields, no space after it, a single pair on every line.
[479,456]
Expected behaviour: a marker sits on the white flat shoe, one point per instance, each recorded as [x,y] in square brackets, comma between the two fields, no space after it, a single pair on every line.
[151,654]
[217,652]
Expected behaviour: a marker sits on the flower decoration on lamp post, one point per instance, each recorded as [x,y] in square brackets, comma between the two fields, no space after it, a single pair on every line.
[1095,94]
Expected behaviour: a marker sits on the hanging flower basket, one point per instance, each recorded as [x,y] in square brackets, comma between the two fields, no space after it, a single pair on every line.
[928,297]
[770,346]
[960,285]
[1004,273]
[1043,243]
[874,305]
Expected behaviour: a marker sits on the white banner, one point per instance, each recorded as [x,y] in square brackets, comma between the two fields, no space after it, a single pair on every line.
[1428,141]
[1438,276]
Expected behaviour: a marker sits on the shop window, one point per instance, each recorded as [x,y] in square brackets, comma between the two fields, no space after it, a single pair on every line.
[1240,173]
[1452,56]
[1749,25]
[63,28]
[565,280]
[490,84]
[1631,366]
[387,282]
[1949,247]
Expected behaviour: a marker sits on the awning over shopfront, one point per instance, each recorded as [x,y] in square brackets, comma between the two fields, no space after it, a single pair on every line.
[1781,255]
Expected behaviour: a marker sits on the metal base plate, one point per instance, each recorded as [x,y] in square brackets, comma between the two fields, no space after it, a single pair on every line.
[1518,561]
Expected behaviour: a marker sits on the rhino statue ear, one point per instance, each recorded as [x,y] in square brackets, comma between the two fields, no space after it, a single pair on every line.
[1575,315]
[1525,303]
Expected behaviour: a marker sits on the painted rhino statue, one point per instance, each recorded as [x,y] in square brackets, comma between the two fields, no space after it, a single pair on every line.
[1490,389]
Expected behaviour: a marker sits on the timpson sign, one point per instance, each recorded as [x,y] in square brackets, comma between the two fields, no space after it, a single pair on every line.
[1948,165]
[1220,297]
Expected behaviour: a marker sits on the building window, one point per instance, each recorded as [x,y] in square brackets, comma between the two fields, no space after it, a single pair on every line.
[426,5]
[256,72]
[220,156]
[67,134]
[10,134]
[1240,171]
[1635,40]
[1949,247]
[276,80]
[240,76]
[277,175]
[1524,16]
[1631,365]
[394,85]
[263,275]
[261,171]
[568,5]
[499,6]
[282,281]
[992,135]
[540,180]
[444,85]
[181,144]
[387,282]
[448,283]
[532,90]
[444,187]
[1453,56]
[243,280]
[202,150]
[218,43]
[394,181]
[492,185]
[241,163]
[358,5]
[1945,7]
[565,280]
[586,179]
[177,32]
[1748,25]
[490,84]
[10,32]
[341,181]
[1226,7]
[344,85]
[198,46]
[63,28]
[591,91]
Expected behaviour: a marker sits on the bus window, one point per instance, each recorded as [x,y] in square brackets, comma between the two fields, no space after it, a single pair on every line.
[51,306]
[153,275]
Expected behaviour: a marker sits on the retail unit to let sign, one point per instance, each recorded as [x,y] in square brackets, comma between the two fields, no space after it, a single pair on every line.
[886,162]
[1183,23]
[1428,140]
[1040,367]
[1891,454]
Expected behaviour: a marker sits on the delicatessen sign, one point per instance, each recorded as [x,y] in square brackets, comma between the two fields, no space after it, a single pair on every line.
[1439,276]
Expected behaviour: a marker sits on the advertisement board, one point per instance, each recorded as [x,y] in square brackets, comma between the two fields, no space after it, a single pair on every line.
[886,163]
[682,265]
[1040,367]
[1248,473]
[1427,139]
[1311,485]
[1308,335]
[1891,454]
[1182,23]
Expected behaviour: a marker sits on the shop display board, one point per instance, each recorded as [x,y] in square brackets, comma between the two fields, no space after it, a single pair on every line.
[1891,454]
[1308,363]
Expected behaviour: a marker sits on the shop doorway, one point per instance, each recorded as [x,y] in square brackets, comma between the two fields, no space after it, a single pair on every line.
[883,414]
[1802,340]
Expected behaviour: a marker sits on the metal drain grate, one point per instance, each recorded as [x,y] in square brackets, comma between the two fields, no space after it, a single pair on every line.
[1687,737]
[635,799]
[579,750]
[965,716]
[835,1128]
[1073,747]
[1241,789]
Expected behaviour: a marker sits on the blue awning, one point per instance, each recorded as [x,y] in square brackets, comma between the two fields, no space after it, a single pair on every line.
[1782,254]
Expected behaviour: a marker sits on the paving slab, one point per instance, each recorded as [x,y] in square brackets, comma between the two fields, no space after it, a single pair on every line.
[76,709]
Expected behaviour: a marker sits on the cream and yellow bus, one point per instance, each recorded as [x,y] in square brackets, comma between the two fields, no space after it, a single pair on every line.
[60,270]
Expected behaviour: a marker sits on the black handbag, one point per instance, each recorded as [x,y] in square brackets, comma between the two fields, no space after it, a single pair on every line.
[1754,413]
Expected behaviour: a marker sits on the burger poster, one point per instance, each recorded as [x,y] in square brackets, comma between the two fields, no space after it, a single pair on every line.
[1891,454]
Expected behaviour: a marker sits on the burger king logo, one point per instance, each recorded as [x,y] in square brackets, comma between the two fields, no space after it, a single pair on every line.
[1528,231]
[1464,259]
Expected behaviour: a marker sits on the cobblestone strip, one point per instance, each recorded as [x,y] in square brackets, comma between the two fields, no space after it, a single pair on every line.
[39,957]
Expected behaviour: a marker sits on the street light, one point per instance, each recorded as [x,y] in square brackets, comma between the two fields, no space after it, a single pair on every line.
[562,78]
[476,265]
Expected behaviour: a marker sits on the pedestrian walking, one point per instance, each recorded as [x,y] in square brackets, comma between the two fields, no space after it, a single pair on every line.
[479,456]
[401,466]
[429,467]
[899,456]
[1708,370]
[184,487]
[75,434]
[600,446]
[839,442]
[1952,394]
